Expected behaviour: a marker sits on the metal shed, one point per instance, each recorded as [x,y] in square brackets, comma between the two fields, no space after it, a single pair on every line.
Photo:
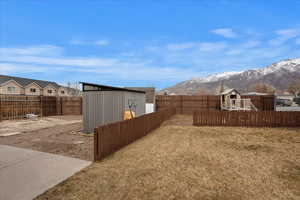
[105,104]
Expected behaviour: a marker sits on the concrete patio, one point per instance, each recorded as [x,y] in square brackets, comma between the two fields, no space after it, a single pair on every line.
[25,174]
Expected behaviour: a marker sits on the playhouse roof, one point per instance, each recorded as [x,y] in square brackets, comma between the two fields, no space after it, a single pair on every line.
[227,91]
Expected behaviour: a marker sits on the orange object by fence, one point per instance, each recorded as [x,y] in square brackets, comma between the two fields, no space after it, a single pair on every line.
[127,114]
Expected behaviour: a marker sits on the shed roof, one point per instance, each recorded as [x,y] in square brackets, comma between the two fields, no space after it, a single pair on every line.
[229,91]
[107,88]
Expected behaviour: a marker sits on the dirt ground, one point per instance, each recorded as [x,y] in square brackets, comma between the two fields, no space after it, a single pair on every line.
[56,134]
[186,162]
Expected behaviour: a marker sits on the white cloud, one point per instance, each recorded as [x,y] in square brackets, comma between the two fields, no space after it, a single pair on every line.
[181,46]
[77,42]
[251,44]
[32,50]
[225,32]
[7,68]
[77,61]
[132,69]
[144,73]
[234,52]
[170,62]
[243,47]
[212,46]
[102,42]
[288,33]
[283,36]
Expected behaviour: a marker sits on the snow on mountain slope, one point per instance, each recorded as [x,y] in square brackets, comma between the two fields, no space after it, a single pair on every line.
[279,75]
[214,77]
[290,65]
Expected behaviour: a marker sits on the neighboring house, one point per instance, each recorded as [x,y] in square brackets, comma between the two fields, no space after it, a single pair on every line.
[33,89]
[11,87]
[289,97]
[50,90]
[24,86]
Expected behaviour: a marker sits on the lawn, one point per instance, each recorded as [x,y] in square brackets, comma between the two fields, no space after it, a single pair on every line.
[179,161]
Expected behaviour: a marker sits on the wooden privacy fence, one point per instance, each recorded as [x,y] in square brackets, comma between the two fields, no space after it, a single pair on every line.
[187,104]
[111,137]
[247,118]
[16,106]
[262,103]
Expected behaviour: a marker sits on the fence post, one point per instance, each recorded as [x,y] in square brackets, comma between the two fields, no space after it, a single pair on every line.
[0,109]
[80,105]
[96,144]
[41,106]
[61,106]
[181,104]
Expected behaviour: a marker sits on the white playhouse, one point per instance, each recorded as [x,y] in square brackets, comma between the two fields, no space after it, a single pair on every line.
[231,100]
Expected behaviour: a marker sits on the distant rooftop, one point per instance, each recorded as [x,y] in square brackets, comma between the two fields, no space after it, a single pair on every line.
[26,81]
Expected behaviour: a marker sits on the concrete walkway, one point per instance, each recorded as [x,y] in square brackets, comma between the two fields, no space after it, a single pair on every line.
[25,174]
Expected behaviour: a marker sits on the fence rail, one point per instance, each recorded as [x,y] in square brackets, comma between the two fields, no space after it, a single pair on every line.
[247,118]
[16,107]
[187,104]
[111,137]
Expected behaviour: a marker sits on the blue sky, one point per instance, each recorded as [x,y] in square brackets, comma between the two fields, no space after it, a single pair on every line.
[144,43]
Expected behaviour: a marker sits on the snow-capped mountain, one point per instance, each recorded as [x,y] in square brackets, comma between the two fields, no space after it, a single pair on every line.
[279,75]
[214,77]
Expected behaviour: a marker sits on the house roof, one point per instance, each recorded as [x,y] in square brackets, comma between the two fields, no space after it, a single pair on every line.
[26,81]
[227,91]
[106,88]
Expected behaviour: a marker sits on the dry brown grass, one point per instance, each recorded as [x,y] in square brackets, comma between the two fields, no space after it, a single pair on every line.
[186,162]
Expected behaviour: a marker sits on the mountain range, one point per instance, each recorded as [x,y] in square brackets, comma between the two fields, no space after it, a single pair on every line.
[279,75]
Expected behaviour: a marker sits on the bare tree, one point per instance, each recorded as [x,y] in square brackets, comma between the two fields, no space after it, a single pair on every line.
[73,88]
[202,91]
[262,88]
[294,89]
[222,87]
